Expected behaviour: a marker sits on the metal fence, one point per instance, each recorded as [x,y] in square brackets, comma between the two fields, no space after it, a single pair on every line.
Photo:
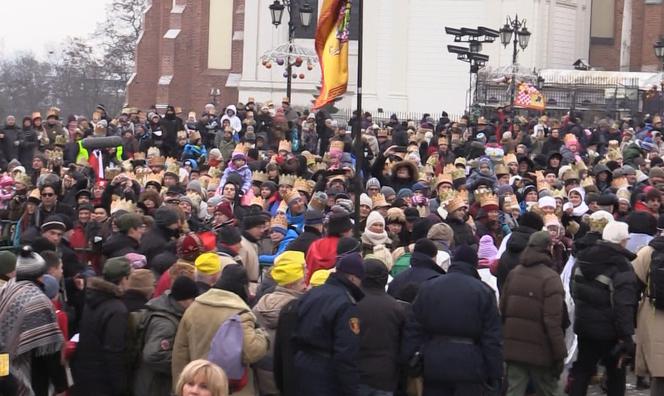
[382,118]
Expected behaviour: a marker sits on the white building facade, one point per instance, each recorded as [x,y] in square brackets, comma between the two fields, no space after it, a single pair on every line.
[406,64]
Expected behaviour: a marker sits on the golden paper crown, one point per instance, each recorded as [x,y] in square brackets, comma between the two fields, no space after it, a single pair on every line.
[444,178]
[122,204]
[614,144]
[241,148]
[139,155]
[551,219]
[487,200]
[458,174]
[613,155]
[379,201]
[35,194]
[620,182]
[23,179]
[570,174]
[292,195]
[36,114]
[153,152]
[320,166]
[126,166]
[455,204]
[311,159]
[110,173]
[543,185]
[60,140]
[449,168]
[285,145]
[588,182]
[579,166]
[170,161]
[286,180]
[53,112]
[258,201]
[280,221]
[259,177]
[156,161]
[173,168]
[509,158]
[303,186]
[502,169]
[215,173]
[154,177]
[337,144]
[558,194]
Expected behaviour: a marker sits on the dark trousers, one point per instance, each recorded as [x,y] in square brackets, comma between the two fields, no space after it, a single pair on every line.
[457,389]
[592,352]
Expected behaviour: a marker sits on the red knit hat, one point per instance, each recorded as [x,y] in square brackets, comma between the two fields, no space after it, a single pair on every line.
[189,246]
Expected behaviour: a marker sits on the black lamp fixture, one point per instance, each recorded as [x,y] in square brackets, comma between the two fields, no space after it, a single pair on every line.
[524,37]
[659,49]
[506,35]
[306,12]
[277,11]
[514,31]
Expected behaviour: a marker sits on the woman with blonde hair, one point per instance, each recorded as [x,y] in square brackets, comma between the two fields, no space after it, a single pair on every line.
[202,378]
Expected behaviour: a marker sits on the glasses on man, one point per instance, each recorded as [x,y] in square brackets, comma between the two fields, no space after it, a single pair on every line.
[47,194]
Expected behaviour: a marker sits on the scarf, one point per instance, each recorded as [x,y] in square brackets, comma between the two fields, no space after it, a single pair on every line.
[372,238]
[27,326]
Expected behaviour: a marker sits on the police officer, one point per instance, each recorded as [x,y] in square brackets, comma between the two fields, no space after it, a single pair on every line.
[327,338]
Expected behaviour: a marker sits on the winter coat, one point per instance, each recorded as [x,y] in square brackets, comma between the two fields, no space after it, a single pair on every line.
[200,323]
[134,300]
[120,244]
[471,338]
[249,255]
[463,234]
[551,145]
[381,319]
[9,144]
[156,240]
[600,314]
[29,143]
[153,376]
[99,364]
[269,258]
[327,339]
[234,120]
[304,240]
[226,148]
[649,321]
[267,316]
[422,268]
[569,157]
[630,153]
[510,259]
[531,303]
[244,172]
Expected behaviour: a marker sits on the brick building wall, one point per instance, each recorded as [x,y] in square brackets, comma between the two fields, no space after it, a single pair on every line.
[647,27]
[163,51]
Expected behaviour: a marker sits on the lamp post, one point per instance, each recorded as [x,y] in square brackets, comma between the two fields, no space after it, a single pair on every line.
[277,11]
[514,31]
[659,50]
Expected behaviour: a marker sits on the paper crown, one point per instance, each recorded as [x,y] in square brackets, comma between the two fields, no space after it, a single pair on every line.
[337,144]
[379,201]
[156,161]
[303,186]
[279,221]
[502,169]
[287,180]
[458,174]
[620,182]
[320,166]
[153,152]
[154,177]
[110,173]
[558,194]
[291,196]
[543,185]
[455,204]
[241,148]
[488,201]
[126,166]
[139,155]
[257,201]
[588,182]
[35,195]
[259,177]
[122,204]
[285,145]
[53,112]
[444,178]
[624,194]
[509,158]
[60,141]
[35,115]
[551,219]
[570,174]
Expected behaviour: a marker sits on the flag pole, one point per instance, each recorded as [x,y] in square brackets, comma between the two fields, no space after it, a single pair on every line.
[357,125]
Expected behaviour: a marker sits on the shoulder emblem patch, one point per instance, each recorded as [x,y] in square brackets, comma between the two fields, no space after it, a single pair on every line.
[354,324]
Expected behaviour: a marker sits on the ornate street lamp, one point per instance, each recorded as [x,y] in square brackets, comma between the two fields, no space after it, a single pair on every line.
[514,31]
[277,11]
[659,49]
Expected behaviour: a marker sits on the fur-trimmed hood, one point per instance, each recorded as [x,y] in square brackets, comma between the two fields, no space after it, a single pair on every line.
[100,290]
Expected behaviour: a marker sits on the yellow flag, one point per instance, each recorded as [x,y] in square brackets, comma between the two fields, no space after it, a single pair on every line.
[332,37]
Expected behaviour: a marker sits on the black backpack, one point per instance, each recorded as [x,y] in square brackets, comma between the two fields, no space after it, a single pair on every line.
[655,279]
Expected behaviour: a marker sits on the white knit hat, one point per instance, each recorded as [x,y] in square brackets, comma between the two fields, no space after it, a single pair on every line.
[29,265]
[547,202]
[615,232]
[365,200]
[375,217]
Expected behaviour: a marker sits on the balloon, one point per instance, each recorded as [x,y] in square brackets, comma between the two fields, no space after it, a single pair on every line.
[280,61]
[302,76]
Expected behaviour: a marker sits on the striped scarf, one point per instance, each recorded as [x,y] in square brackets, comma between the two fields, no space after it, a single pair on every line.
[27,325]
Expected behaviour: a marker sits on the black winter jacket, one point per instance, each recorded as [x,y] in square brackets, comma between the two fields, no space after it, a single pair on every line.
[304,240]
[510,258]
[405,286]
[601,314]
[457,345]
[119,244]
[463,234]
[99,364]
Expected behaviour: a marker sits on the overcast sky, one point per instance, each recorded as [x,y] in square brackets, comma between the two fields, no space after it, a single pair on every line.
[40,25]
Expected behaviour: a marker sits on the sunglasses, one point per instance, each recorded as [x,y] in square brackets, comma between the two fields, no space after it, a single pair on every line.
[47,194]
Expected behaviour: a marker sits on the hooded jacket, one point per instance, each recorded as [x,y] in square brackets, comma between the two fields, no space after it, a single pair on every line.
[510,258]
[531,303]
[236,124]
[99,363]
[404,286]
[599,313]
[153,377]
[200,323]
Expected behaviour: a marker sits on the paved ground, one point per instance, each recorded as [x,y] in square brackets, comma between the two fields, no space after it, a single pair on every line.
[631,389]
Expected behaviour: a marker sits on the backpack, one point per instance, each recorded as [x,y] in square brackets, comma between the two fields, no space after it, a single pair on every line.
[655,279]
[226,352]
[402,263]
[137,324]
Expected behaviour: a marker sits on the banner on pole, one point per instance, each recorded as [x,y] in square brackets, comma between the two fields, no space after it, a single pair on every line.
[332,37]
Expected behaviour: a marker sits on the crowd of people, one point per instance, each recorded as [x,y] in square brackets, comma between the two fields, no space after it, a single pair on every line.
[152,254]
